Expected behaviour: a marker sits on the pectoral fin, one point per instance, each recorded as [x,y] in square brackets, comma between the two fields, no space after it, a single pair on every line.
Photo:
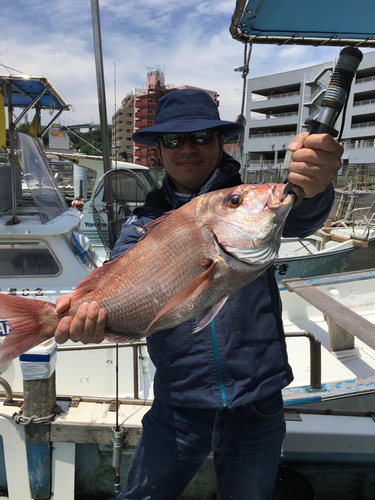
[208,315]
[197,286]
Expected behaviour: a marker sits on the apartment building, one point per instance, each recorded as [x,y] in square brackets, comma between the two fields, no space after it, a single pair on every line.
[279,104]
[123,127]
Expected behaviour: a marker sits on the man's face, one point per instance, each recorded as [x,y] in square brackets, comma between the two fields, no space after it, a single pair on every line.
[191,164]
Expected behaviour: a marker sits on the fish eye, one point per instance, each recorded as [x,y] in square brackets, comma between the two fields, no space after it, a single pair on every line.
[235,201]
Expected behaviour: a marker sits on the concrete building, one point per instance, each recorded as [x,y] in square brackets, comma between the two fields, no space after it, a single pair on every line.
[279,104]
[144,112]
[123,127]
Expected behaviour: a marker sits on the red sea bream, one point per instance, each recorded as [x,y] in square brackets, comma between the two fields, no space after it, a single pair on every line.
[185,265]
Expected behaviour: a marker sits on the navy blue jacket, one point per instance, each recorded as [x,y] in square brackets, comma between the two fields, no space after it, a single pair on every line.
[241,356]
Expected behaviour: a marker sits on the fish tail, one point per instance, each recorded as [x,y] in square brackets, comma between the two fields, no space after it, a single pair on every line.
[25,323]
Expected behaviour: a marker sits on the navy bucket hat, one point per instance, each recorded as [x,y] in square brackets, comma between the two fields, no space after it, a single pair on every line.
[182,111]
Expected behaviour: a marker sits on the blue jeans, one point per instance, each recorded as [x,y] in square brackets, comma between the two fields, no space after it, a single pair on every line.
[176,441]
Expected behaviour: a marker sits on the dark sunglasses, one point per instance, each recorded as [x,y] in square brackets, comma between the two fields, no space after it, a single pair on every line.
[201,137]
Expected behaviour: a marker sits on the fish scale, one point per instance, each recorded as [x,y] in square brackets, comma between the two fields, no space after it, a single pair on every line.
[184,266]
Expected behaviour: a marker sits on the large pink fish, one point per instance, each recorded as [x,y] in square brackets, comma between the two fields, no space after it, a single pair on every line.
[185,265]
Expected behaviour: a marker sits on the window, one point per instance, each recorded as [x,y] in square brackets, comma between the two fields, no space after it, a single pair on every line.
[31,258]
[128,114]
[128,123]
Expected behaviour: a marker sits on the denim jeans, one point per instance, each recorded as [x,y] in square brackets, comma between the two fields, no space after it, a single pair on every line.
[246,443]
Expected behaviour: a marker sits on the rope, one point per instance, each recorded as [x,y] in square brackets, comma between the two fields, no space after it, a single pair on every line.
[82,139]
[241,118]
[21,420]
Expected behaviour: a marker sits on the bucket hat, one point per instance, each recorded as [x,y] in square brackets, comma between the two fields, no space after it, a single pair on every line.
[183,111]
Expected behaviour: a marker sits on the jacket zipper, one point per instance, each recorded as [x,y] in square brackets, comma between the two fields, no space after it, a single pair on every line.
[215,348]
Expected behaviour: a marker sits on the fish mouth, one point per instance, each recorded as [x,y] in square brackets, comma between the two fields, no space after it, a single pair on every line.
[282,196]
[288,190]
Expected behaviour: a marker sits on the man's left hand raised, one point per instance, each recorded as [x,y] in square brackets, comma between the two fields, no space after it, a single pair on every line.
[315,162]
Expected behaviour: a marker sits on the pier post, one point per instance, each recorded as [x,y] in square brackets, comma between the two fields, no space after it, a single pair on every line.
[39,387]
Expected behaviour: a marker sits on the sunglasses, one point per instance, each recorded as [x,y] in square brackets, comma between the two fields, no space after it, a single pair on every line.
[172,141]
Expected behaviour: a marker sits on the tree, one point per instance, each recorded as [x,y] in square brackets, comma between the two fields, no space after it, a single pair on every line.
[86,142]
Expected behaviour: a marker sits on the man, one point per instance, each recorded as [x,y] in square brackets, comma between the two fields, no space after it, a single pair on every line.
[218,389]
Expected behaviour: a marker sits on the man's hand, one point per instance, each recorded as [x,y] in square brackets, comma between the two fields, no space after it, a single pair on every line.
[315,162]
[87,326]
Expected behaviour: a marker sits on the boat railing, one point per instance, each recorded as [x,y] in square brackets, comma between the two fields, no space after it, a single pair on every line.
[136,357]
[315,359]
[343,323]
[315,363]
[365,224]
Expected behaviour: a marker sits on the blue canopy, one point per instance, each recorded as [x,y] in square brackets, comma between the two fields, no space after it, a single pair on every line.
[27,89]
[318,22]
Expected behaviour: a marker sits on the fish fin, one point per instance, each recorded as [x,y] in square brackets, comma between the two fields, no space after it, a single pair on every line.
[208,315]
[88,283]
[21,317]
[154,223]
[197,286]
[148,228]
[123,339]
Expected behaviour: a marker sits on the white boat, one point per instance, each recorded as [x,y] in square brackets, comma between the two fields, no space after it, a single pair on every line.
[322,252]
[337,312]
[328,407]
[42,249]
[350,226]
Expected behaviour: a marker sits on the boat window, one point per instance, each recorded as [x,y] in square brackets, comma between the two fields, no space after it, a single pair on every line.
[32,258]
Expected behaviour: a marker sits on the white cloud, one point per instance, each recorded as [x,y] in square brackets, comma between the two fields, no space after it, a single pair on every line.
[190,40]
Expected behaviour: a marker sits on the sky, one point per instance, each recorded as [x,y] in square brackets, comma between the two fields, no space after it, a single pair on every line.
[188,41]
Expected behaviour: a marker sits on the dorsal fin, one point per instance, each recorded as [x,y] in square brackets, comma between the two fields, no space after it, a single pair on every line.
[154,223]
[88,283]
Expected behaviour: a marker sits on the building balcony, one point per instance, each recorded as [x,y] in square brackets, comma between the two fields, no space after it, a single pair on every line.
[143,113]
[362,125]
[141,124]
[142,103]
[141,154]
[364,143]
[271,102]
[364,107]
[273,121]
[269,134]
[364,84]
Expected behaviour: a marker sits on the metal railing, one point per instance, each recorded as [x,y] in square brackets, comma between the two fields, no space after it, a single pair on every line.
[366,79]
[275,96]
[135,346]
[361,143]
[365,102]
[275,115]
[363,125]
[315,359]
[269,134]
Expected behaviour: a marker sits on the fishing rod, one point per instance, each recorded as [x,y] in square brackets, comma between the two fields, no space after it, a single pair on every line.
[118,432]
[118,440]
[335,100]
